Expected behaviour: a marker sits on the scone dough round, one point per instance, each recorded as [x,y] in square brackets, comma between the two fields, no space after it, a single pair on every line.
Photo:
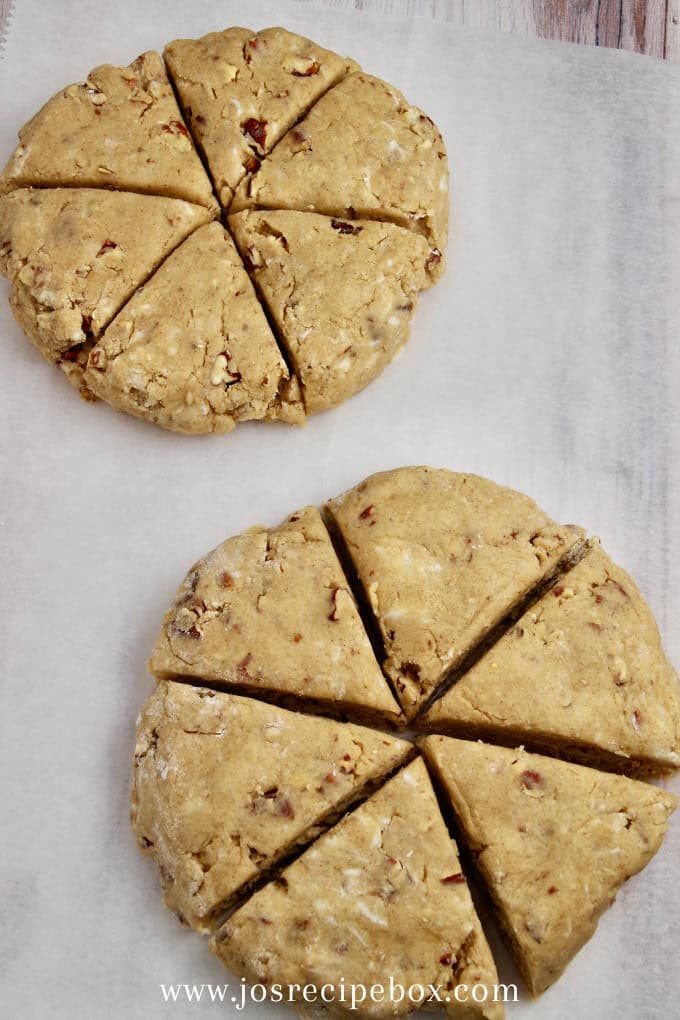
[111,284]
[291,823]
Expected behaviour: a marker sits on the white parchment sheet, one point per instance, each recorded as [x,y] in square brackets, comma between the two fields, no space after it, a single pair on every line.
[547,359]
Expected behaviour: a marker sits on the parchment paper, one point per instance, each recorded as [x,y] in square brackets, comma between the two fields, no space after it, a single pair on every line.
[547,359]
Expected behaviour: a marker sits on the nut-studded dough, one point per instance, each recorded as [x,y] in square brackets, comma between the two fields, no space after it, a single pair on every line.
[443,558]
[225,786]
[121,128]
[272,611]
[362,151]
[375,158]
[583,671]
[553,841]
[192,350]
[75,255]
[341,293]
[380,896]
[241,91]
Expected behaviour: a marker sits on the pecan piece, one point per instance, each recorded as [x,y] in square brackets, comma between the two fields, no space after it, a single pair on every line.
[286,808]
[433,259]
[531,780]
[222,373]
[175,127]
[304,69]
[251,46]
[252,164]
[106,247]
[257,130]
[345,228]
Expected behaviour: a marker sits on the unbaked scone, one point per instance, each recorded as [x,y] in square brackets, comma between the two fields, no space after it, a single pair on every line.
[247,98]
[341,293]
[363,152]
[224,787]
[379,896]
[192,351]
[553,842]
[232,792]
[582,672]
[121,128]
[241,91]
[443,559]
[75,255]
[272,612]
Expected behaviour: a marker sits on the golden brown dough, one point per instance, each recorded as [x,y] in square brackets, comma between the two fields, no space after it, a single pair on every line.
[362,151]
[225,786]
[75,255]
[553,841]
[443,558]
[242,90]
[341,293]
[121,128]
[271,611]
[381,895]
[582,672]
[192,351]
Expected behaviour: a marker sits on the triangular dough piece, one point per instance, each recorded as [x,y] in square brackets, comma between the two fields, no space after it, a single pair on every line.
[75,255]
[192,351]
[241,91]
[121,128]
[443,558]
[583,672]
[362,151]
[553,841]
[271,611]
[226,786]
[381,896]
[341,294]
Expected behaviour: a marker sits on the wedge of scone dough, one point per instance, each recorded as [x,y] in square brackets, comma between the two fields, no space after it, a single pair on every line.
[192,351]
[341,294]
[361,151]
[443,559]
[241,91]
[379,896]
[121,129]
[271,611]
[581,674]
[553,841]
[226,786]
[75,255]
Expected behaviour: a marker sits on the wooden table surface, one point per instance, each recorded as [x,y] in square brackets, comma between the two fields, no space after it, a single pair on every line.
[645,26]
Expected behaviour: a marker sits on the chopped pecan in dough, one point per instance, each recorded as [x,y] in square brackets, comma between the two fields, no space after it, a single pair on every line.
[241,91]
[75,255]
[553,841]
[362,151]
[341,294]
[443,558]
[582,673]
[271,611]
[192,350]
[225,786]
[121,128]
[370,900]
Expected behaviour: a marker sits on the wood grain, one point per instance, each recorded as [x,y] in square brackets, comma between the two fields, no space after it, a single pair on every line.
[672,47]
[644,26]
